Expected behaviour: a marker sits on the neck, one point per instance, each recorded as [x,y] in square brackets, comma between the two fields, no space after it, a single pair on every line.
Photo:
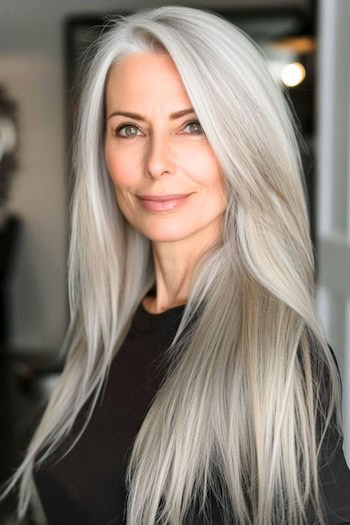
[175,264]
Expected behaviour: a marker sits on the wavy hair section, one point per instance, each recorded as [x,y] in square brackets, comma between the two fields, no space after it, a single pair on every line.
[242,410]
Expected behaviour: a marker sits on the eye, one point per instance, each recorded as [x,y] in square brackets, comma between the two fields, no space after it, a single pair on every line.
[131,131]
[195,126]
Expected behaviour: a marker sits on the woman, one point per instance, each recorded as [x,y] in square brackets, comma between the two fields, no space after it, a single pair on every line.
[198,385]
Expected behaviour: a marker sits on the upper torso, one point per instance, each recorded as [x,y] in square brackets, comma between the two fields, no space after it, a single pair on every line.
[87,486]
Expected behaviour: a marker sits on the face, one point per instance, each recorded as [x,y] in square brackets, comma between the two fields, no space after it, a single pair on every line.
[159,155]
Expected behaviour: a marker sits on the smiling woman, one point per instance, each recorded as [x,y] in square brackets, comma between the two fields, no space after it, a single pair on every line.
[167,155]
[198,385]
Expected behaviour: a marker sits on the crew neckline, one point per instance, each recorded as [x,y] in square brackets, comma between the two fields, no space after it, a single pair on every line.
[145,321]
[152,292]
[182,306]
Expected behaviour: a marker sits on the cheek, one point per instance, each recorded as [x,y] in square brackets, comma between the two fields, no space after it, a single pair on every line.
[120,167]
[204,165]
[209,174]
[217,191]
[125,205]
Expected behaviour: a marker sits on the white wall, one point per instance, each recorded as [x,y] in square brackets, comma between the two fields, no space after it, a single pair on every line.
[333,195]
[32,67]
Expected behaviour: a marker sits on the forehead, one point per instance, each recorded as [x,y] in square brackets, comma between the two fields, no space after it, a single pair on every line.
[145,75]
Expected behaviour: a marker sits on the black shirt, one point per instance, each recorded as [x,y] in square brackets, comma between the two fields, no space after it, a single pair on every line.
[87,486]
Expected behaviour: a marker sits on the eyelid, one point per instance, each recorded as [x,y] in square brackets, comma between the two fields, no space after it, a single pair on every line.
[122,126]
[119,128]
[193,121]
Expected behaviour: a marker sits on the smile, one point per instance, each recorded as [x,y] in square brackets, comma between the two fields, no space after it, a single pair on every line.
[163,205]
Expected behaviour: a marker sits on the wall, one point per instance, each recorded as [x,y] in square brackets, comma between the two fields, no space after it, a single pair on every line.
[32,67]
[333,195]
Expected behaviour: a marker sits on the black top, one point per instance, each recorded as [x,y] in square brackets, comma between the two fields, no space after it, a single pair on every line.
[87,487]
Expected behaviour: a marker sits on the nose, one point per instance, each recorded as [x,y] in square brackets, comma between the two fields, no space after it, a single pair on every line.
[159,156]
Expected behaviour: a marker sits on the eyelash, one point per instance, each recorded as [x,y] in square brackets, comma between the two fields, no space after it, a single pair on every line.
[117,130]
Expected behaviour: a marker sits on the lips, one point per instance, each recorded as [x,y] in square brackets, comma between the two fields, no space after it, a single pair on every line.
[163,198]
[163,203]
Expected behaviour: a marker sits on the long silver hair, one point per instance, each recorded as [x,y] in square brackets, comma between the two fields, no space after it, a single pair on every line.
[251,389]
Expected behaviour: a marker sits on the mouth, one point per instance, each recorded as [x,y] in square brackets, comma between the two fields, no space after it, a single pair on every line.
[163,203]
[163,198]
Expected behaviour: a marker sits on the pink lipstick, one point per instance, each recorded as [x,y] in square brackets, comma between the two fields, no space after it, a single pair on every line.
[162,202]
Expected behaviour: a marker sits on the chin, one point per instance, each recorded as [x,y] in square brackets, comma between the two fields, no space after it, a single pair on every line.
[166,236]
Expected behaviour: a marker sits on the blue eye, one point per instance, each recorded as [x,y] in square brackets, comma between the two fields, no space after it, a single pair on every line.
[127,135]
[198,127]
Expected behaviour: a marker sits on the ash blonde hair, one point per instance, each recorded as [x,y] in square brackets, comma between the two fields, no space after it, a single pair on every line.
[252,378]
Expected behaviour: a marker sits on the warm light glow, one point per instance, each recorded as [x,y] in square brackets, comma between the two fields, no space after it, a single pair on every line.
[298,45]
[293,74]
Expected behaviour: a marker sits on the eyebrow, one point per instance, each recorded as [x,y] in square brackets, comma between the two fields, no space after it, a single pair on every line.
[137,116]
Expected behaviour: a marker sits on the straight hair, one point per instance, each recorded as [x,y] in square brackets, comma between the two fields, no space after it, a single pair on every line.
[251,390]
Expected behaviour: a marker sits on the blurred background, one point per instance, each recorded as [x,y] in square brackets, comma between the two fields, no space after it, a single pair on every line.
[41,49]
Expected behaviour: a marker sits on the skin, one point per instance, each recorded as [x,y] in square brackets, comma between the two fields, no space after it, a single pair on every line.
[161,156]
